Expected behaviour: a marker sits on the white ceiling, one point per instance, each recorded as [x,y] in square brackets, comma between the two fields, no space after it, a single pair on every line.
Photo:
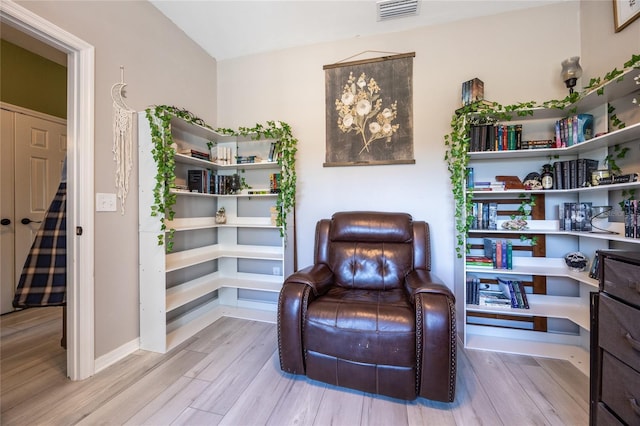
[232,28]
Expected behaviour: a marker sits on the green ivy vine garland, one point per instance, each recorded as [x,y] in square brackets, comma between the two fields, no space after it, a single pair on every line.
[159,118]
[483,112]
[286,149]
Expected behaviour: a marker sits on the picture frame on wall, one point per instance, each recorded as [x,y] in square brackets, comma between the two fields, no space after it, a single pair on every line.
[625,12]
[369,111]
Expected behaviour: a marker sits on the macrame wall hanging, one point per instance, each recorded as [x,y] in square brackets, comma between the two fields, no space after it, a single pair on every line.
[122,139]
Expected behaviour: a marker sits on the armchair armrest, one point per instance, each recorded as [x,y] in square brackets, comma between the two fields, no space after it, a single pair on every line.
[423,281]
[319,277]
[298,290]
[435,335]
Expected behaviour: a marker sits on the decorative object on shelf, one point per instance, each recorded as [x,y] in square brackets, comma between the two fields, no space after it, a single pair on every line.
[576,261]
[547,176]
[624,13]
[571,72]
[367,102]
[235,184]
[457,141]
[598,175]
[221,216]
[122,139]
[515,224]
[599,213]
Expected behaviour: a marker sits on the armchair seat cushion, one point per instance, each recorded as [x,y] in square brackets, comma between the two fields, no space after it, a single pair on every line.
[365,326]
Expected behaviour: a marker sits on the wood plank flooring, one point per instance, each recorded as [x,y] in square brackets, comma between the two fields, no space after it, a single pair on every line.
[228,374]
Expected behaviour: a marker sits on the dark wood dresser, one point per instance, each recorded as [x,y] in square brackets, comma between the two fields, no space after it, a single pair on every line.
[615,340]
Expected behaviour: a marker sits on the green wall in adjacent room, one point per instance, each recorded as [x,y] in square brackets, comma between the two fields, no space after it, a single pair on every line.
[31,81]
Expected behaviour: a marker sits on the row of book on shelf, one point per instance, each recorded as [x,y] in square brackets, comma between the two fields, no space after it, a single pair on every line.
[568,131]
[484,215]
[224,155]
[498,254]
[207,182]
[472,91]
[508,293]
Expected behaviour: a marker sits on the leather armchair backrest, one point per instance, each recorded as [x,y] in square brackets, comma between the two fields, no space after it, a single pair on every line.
[371,250]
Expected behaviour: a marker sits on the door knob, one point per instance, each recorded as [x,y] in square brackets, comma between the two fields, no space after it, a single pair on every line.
[5,222]
[26,221]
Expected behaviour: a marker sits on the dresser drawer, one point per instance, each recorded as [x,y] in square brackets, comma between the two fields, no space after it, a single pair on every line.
[622,280]
[619,330]
[621,389]
[605,418]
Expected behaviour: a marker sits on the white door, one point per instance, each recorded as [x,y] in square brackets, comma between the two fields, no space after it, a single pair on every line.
[39,148]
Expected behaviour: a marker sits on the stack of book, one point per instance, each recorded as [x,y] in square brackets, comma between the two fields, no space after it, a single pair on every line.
[484,215]
[196,154]
[574,129]
[274,183]
[479,262]
[514,289]
[631,218]
[571,174]
[495,137]
[472,91]
[506,294]
[500,252]
[575,217]
[489,186]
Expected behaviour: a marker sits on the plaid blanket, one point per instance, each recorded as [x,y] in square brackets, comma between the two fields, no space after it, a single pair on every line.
[44,277]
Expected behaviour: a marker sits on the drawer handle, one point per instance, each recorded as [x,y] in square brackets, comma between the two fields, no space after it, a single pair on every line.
[634,406]
[633,342]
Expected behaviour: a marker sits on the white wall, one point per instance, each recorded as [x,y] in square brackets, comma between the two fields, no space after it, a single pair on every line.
[162,66]
[515,55]
[602,48]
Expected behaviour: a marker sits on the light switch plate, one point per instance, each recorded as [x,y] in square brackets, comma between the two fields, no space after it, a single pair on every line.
[105,202]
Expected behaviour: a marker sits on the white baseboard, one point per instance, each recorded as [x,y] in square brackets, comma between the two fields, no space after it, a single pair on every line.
[116,355]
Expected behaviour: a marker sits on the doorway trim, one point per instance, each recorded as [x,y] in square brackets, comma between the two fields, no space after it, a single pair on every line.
[80,181]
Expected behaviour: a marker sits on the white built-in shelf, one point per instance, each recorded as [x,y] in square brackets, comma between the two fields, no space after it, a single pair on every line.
[206,164]
[195,256]
[195,223]
[611,187]
[518,343]
[543,266]
[244,193]
[189,291]
[570,308]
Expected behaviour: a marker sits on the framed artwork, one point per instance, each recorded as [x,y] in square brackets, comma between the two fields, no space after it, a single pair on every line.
[369,111]
[625,12]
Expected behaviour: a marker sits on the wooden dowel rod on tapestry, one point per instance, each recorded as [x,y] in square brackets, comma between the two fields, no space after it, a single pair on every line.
[369,61]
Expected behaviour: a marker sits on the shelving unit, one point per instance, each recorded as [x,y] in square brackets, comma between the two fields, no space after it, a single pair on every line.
[557,324]
[232,269]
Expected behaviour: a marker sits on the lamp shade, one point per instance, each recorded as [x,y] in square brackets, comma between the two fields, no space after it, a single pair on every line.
[571,71]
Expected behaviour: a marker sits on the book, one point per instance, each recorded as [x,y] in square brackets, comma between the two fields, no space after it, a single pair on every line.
[506,286]
[493,216]
[196,180]
[523,295]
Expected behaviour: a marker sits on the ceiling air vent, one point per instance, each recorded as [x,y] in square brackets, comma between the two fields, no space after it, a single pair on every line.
[392,9]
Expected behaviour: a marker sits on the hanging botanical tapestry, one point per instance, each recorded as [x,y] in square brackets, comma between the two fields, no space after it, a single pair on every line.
[369,111]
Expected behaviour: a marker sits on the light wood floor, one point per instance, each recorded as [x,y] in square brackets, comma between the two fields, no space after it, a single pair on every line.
[228,374]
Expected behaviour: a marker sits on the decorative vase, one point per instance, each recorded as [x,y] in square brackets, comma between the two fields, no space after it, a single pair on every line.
[221,216]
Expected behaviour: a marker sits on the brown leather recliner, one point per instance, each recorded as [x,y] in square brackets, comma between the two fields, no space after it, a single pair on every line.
[369,315]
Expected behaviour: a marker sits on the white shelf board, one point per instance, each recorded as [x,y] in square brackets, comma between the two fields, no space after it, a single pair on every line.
[186,258]
[186,326]
[189,291]
[577,355]
[543,266]
[612,138]
[570,308]
[479,194]
[198,130]
[193,223]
